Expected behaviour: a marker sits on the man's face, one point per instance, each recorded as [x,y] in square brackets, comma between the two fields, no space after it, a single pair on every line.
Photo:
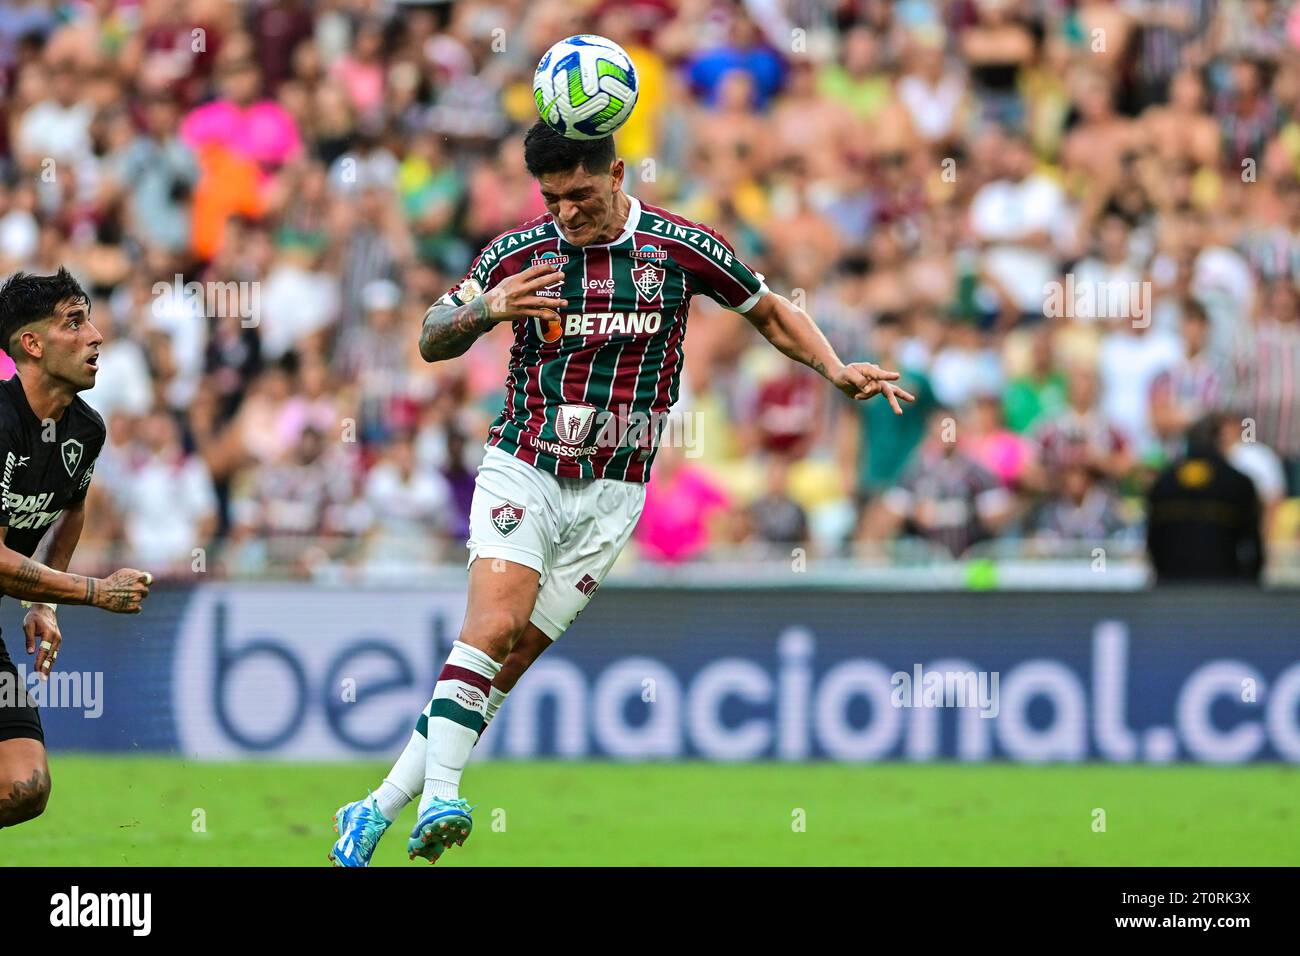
[583,203]
[69,344]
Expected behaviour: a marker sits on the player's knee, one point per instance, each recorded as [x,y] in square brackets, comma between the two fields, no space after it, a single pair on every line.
[494,631]
[23,799]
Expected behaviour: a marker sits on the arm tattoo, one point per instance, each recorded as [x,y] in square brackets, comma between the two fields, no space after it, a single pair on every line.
[448,331]
[818,366]
[28,574]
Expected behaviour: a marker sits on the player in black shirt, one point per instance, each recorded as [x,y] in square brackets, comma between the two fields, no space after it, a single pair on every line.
[49,439]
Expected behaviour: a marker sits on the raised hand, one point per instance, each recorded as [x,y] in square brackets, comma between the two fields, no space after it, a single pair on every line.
[516,296]
[122,592]
[862,380]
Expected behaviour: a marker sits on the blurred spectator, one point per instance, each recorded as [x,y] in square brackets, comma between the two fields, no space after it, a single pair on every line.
[1257,462]
[996,47]
[302,507]
[1079,509]
[1014,218]
[1081,434]
[1133,355]
[1203,516]
[1040,393]
[166,500]
[944,497]
[988,442]
[299,303]
[775,517]
[56,129]
[159,172]
[1191,387]
[1268,377]
[744,51]
[682,503]
[408,506]
[876,445]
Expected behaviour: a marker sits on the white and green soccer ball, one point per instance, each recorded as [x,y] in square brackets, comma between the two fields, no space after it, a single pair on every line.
[585,87]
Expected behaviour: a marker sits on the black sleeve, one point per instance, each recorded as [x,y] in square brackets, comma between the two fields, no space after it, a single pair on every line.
[92,452]
[8,461]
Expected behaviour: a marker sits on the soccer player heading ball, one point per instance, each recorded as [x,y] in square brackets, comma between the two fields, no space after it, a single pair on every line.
[49,440]
[597,291]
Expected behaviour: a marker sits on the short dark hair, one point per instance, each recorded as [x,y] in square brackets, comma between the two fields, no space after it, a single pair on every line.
[546,151]
[27,298]
[1203,436]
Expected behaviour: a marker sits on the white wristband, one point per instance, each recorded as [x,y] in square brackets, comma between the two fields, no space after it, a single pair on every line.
[52,607]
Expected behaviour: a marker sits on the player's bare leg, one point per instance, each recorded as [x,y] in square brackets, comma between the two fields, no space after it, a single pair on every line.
[501,598]
[24,781]
[532,642]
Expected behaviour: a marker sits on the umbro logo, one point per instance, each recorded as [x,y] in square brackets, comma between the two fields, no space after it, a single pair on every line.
[469,696]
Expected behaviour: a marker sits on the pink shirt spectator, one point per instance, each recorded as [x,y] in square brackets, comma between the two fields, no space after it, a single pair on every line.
[363,81]
[1003,452]
[7,366]
[263,132]
[678,504]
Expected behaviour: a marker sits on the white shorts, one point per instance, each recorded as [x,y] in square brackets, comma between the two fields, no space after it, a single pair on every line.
[568,530]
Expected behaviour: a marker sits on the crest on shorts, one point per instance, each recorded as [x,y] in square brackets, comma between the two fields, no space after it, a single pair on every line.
[647,277]
[506,517]
[71,452]
[587,585]
[573,423]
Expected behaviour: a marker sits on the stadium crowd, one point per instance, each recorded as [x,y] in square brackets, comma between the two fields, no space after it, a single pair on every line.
[1074,226]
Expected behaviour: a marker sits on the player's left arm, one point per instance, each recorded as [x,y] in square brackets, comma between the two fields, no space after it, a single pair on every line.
[41,626]
[795,334]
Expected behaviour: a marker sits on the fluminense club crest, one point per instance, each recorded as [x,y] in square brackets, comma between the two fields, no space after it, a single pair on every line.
[648,280]
[506,517]
[647,277]
[573,423]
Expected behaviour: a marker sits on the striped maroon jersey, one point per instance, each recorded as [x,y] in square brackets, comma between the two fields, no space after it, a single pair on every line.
[587,396]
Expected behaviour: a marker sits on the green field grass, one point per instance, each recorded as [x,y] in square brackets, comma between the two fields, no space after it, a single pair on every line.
[140,811]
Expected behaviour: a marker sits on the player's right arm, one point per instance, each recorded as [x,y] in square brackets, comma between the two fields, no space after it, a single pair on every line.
[122,591]
[454,322]
[21,577]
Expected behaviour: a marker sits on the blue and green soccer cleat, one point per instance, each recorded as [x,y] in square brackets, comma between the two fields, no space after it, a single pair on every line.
[443,823]
[359,826]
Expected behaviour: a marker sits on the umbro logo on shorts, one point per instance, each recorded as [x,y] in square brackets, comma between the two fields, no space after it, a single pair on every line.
[506,517]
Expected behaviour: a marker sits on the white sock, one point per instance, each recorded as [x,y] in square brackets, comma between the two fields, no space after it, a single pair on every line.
[391,799]
[495,699]
[456,716]
[406,779]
